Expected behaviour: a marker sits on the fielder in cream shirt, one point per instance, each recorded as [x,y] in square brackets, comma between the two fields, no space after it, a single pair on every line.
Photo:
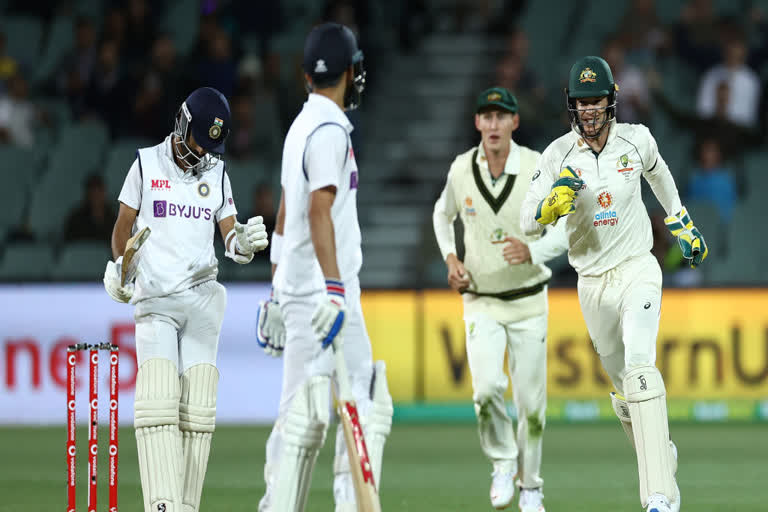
[503,281]
[589,180]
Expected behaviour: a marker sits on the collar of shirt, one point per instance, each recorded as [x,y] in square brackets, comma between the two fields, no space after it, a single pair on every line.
[329,109]
[511,166]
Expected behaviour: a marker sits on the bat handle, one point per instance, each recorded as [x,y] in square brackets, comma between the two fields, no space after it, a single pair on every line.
[342,376]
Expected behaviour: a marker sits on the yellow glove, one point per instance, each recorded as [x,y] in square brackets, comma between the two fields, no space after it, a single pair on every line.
[692,244]
[559,202]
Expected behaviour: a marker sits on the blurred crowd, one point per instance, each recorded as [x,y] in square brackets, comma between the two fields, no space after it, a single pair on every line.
[693,70]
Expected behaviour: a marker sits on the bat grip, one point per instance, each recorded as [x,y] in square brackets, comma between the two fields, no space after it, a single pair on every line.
[342,376]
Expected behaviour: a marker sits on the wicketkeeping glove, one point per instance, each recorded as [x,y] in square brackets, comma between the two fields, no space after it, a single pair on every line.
[559,202]
[330,314]
[270,329]
[688,236]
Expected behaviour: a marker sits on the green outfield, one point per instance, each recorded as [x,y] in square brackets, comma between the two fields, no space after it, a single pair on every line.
[587,468]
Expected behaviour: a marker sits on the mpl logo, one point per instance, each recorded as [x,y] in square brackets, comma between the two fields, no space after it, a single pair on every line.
[160,185]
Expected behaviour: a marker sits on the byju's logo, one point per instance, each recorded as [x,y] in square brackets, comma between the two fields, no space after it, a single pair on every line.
[353,180]
[160,208]
[166,209]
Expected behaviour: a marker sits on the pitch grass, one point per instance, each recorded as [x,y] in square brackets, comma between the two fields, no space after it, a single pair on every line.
[587,467]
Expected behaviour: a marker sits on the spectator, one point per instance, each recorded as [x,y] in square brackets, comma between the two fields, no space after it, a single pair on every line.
[641,32]
[697,35]
[713,181]
[18,115]
[139,34]
[108,89]
[218,68]
[115,27]
[264,126]
[154,107]
[8,65]
[76,66]
[93,219]
[742,81]
[633,87]
[733,139]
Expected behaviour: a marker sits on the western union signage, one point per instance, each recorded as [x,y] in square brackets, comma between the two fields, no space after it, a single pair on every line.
[712,344]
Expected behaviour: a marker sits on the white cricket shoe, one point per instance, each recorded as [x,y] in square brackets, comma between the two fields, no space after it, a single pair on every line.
[530,500]
[502,484]
[658,503]
[675,505]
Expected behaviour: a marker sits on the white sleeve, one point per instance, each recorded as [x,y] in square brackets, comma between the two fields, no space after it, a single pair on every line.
[551,245]
[325,156]
[130,194]
[227,208]
[658,176]
[442,219]
[541,183]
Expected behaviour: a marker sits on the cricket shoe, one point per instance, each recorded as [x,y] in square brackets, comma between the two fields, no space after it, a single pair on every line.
[675,505]
[659,502]
[503,484]
[531,500]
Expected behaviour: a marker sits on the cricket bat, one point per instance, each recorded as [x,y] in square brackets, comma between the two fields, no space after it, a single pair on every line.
[357,451]
[131,255]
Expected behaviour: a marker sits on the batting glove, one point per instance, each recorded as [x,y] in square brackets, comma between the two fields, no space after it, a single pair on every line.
[270,329]
[559,202]
[688,237]
[112,282]
[252,236]
[330,314]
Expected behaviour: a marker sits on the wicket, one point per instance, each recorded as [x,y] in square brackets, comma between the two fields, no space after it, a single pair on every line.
[93,425]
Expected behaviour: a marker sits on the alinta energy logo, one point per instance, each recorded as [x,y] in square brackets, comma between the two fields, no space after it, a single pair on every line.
[605,217]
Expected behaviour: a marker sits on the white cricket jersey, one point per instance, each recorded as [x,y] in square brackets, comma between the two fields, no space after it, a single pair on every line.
[610,223]
[183,211]
[490,214]
[318,153]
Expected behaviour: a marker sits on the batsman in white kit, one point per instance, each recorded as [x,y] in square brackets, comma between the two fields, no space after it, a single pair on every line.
[503,282]
[181,191]
[316,283]
[591,177]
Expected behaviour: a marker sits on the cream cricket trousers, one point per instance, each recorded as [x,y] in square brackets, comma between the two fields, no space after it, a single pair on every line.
[183,327]
[526,346]
[621,309]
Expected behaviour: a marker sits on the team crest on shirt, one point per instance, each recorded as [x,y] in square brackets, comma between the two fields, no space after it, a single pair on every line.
[468,209]
[498,236]
[623,168]
[203,189]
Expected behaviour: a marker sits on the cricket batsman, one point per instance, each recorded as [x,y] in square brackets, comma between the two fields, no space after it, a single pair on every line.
[181,190]
[503,282]
[589,180]
[318,256]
